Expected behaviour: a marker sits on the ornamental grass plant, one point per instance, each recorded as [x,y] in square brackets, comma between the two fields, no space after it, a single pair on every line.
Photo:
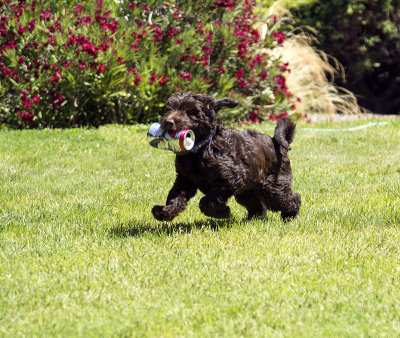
[311,72]
[311,77]
[70,63]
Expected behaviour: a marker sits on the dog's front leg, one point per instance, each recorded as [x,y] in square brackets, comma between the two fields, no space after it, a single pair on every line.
[214,203]
[182,191]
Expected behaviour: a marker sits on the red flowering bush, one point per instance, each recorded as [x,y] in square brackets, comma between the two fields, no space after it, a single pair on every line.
[97,62]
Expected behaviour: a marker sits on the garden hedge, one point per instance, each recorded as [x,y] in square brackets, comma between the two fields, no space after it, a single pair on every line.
[88,63]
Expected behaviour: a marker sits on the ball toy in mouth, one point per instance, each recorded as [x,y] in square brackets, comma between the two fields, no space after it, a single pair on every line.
[174,141]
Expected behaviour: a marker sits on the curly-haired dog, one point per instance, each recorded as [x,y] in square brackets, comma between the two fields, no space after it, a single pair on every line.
[249,165]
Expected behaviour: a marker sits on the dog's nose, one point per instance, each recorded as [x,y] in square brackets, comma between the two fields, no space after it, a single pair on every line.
[168,124]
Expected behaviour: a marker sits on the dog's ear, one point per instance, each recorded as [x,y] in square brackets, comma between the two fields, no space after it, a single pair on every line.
[225,103]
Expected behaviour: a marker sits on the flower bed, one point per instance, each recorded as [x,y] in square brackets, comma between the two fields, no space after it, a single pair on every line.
[98,62]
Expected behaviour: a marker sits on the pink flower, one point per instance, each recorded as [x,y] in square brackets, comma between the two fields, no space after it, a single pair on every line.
[137,80]
[242,83]
[172,31]
[27,104]
[239,33]
[239,74]
[22,30]
[120,60]
[283,67]
[225,4]
[45,15]
[90,49]
[162,81]
[135,46]
[158,34]
[57,100]
[153,78]
[280,115]
[103,47]
[256,35]
[264,74]
[282,87]
[209,37]
[186,76]
[25,116]
[259,58]
[280,37]
[222,69]
[253,118]
[21,60]
[101,69]
[242,49]
[78,9]
[206,50]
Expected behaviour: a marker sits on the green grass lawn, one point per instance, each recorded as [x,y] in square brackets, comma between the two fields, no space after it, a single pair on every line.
[81,255]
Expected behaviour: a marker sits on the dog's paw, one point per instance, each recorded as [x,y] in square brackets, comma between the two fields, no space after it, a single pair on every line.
[160,214]
[214,210]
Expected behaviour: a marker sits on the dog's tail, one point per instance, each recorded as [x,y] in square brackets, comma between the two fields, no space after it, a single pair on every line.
[284,132]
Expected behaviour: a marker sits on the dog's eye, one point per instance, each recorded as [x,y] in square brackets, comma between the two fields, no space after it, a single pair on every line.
[192,112]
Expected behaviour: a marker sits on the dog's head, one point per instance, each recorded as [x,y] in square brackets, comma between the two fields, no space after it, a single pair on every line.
[194,111]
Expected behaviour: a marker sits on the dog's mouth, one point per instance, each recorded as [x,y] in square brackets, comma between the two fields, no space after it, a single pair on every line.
[169,129]
[172,127]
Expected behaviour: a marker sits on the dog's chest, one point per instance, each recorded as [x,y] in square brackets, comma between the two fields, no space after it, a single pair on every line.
[200,169]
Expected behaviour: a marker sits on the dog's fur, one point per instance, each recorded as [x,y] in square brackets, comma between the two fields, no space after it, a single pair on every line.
[249,165]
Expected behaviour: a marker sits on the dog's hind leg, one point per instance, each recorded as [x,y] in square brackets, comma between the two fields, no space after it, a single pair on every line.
[214,203]
[291,206]
[182,191]
[253,201]
[284,200]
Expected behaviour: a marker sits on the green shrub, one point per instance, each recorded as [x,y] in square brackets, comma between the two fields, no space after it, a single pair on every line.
[364,35]
[67,63]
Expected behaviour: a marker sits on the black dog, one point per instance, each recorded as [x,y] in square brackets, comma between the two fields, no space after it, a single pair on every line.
[249,165]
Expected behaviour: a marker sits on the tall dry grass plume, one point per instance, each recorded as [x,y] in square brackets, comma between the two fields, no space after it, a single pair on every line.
[312,71]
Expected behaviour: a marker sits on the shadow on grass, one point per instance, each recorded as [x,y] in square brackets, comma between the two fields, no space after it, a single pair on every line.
[138,228]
